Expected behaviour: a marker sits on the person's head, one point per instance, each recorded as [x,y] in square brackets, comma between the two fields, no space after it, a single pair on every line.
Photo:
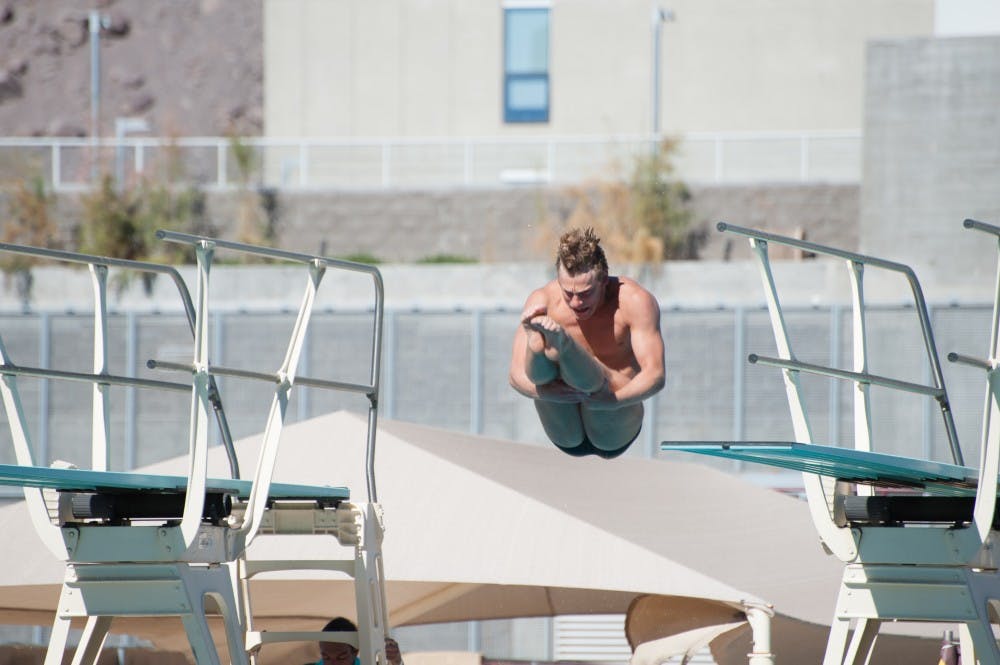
[582,271]
[338,653]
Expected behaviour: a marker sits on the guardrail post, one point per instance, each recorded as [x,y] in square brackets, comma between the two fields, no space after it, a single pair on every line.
[385,164]
[56,166]
[476,374]
[803,158]
[389,366]
[739,368]
[467,165]
[131,410]
[303,164]
[719,170]
[220,164]
[44,390]
[218,353]
[833,402]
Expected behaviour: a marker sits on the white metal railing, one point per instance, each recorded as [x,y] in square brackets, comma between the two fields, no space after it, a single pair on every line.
[384,163]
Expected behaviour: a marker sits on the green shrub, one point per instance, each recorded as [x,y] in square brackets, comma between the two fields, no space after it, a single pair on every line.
[361,257]
[447,258]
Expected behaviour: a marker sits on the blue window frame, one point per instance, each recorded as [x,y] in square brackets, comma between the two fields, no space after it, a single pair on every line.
[526,64]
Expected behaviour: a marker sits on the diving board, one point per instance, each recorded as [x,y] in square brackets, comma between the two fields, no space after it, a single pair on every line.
[844,464]
[139,544]
[918,538]
[86,480]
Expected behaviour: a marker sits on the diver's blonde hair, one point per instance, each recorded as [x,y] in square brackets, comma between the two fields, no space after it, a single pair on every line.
[580,251]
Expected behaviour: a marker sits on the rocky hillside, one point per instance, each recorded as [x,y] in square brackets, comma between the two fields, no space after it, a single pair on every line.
[188,67]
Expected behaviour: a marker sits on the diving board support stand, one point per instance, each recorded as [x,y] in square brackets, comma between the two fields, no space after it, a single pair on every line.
[927,568]
[358,525]
[170,559]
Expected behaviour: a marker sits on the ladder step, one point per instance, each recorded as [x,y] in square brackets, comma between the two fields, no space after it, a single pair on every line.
[255,567]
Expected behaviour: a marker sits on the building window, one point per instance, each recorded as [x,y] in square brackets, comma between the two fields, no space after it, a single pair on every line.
[526,64]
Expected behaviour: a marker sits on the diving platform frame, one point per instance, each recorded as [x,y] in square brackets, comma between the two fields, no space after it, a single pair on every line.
[139,544]
[918,538]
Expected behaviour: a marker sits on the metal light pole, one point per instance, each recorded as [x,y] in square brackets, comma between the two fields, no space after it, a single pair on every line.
[95,22]
[659,17]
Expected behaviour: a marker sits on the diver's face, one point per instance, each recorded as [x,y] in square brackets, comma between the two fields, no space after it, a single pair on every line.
[583,292]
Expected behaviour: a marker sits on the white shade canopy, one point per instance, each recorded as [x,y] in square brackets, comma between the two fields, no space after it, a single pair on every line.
[479,528]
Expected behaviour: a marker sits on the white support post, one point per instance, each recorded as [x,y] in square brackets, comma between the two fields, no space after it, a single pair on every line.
[759,617]
[965,644]
[862,390]
[101,415]
[862,644]
[23,453]
[989,454]
[368,590]
[88,650]
[194,501]
[820,494]
[57,640]
[257,502]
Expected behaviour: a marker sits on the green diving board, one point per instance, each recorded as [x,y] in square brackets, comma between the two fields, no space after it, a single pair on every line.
[86,480]
[843,463]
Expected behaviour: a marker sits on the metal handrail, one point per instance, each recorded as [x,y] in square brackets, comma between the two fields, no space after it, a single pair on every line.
[920,304]
[88,377]
[89,259]
[372,389]
[269,377]
[185,295]
[860,377]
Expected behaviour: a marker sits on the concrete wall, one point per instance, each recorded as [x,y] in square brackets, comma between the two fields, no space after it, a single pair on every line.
[434,67]
[507,224]
[932,152]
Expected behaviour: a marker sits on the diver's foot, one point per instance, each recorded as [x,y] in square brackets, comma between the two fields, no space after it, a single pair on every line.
[553,336]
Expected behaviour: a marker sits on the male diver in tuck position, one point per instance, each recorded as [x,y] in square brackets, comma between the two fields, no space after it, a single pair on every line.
[588,351]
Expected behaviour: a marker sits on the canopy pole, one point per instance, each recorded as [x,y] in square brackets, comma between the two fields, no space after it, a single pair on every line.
[759,617]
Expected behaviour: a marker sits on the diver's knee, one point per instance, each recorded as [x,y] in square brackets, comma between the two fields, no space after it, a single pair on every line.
[563,432]
[565,438]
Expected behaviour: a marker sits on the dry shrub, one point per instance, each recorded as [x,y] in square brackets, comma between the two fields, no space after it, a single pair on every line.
[645,218]
[29,221]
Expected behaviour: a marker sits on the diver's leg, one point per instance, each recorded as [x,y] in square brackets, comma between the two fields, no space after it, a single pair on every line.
[577,367]
[612,431]
[538,367]
[561,422]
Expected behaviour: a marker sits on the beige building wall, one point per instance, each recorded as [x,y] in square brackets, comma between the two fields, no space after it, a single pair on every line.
[434,68]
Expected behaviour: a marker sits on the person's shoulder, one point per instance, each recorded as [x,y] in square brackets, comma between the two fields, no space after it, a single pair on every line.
[632,291]
[636,304]
[546,292]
